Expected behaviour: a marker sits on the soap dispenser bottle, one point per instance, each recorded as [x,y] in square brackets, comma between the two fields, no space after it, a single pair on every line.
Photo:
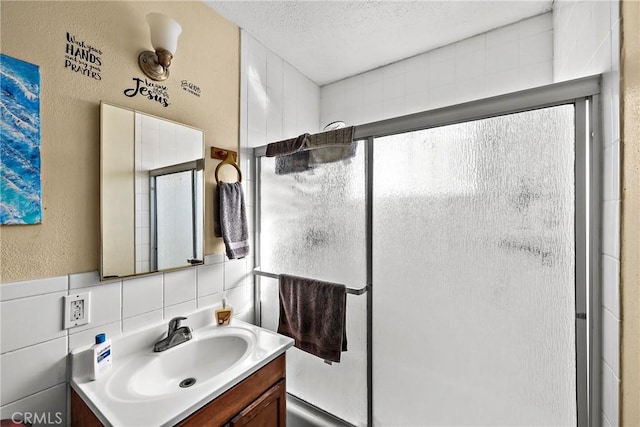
[224,314]
[101,354]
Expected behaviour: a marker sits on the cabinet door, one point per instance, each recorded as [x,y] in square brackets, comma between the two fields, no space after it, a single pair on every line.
[269,410]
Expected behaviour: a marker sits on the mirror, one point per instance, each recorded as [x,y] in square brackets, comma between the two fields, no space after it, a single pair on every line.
[151,193]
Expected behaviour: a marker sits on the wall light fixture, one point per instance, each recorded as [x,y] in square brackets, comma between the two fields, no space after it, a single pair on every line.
[164,39]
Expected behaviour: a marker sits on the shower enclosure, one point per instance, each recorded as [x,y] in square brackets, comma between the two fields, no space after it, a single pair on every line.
[472,232]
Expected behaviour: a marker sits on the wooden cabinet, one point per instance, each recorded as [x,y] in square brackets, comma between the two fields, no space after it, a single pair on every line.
[269,410]
[251,399]
[257,401]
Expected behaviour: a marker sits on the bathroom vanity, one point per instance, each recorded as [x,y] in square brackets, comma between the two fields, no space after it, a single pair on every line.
[258,400]
[225,376]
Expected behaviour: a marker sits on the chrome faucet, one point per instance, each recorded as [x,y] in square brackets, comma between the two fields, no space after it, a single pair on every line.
[176,335]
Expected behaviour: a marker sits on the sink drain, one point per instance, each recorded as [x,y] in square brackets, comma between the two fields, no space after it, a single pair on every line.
[188,382]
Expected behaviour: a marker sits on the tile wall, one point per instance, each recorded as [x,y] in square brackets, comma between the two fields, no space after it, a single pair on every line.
[280,101]
[276,102]
[515,57]
[587,42]
[33,359]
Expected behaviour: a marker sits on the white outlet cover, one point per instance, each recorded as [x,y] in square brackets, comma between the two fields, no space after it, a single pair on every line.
[84,318]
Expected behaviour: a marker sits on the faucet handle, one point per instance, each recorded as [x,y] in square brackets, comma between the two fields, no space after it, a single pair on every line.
[175,323]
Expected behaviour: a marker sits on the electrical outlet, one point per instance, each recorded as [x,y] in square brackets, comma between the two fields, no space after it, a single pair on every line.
[76,310]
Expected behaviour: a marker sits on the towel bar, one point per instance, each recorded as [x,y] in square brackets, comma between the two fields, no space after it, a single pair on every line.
[350,291]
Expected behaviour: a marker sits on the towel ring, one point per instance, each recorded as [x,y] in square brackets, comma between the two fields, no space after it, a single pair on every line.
[228,161]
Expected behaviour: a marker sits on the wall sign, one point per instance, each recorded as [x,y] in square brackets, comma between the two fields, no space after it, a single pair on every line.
[148,89]
[191,88]
[20,187]
[82,58]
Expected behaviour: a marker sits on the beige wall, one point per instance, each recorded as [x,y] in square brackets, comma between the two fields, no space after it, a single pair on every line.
[630,225]
[67,241]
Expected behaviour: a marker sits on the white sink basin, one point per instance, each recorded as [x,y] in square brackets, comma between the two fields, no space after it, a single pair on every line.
[143,387]
[192,364]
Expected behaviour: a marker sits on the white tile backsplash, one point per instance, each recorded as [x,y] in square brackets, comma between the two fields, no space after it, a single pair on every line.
[182,309]
[214,259]
[104,307]
[142,295]
[87,337]
[209,300]
[241,298]
[32,320]
[210,279]
[32,369]
[9,291]
[48,407]
[235,273]
[142,321]
[180,286]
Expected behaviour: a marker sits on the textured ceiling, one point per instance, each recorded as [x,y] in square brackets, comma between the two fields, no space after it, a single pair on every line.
[332,40]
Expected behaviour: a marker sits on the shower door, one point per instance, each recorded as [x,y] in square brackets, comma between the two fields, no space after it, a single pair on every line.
[176,215]
[474,273]
[312,223]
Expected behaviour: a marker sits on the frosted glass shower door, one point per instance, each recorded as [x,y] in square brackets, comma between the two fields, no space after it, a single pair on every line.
[312,223]
[474,273]
[174,217]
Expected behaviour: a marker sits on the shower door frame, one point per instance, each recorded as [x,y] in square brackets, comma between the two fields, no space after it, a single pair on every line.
[584,94]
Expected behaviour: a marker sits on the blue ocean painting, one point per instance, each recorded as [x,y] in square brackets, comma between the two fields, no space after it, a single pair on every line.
[20,187]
